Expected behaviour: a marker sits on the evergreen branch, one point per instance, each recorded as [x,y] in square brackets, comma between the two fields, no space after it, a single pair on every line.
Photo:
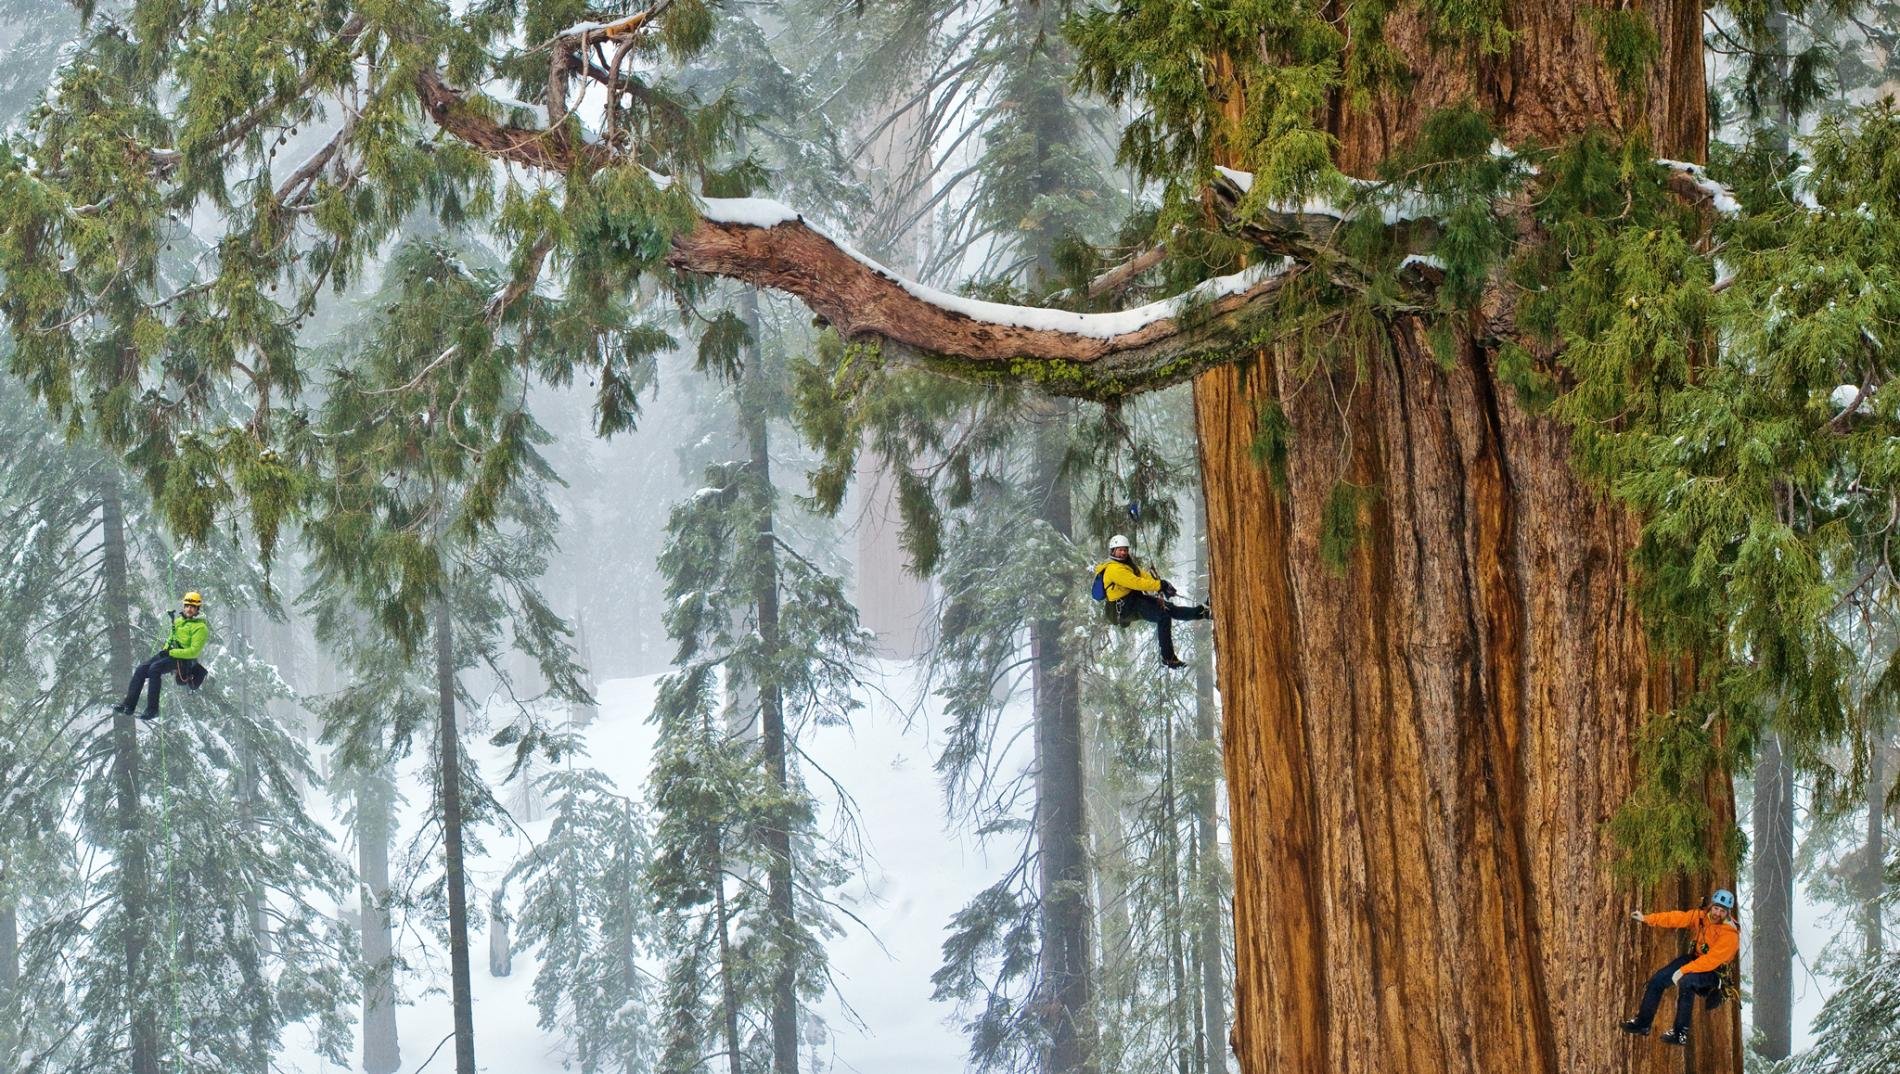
[347,36]
[307,172]
[625,26]
[1118,278]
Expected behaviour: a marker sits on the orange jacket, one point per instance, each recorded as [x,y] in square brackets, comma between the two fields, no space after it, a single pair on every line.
[1714,944]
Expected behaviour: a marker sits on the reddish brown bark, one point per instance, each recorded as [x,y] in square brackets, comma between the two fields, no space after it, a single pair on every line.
[1423,749]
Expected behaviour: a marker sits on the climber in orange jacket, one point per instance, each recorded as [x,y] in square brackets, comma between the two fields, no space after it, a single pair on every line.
[1713,941]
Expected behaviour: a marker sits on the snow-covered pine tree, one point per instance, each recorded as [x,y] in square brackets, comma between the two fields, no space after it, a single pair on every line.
[368,790]
[1854,1033]
[164,947]
[741,870]
[46,491]
[426,551]
[584,904]
[1036,185]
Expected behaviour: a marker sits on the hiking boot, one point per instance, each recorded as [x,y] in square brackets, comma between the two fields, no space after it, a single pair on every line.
[149,715]
[1677,1037]
[1173,662]
[1635,1028]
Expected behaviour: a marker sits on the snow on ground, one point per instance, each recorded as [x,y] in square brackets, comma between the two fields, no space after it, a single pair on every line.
[916,876]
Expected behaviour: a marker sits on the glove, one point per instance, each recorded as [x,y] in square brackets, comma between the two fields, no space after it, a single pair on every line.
[1167,588]
[1636,915]
[1676,977]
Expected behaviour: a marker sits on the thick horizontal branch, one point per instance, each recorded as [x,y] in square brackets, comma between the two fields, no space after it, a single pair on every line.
[1090,355]
[766,244]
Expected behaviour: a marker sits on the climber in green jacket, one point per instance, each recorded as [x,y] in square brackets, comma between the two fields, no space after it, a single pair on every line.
[182,648]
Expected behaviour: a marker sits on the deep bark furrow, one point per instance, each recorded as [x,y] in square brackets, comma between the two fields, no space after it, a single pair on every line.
[1501,584]
[1279,954]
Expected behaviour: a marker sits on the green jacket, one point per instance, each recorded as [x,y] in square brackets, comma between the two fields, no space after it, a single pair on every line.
[188,638]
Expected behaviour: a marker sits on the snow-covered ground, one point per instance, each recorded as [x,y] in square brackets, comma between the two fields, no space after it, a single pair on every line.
[917,875]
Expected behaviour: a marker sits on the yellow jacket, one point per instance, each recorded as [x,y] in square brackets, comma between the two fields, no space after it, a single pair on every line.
[1119,579]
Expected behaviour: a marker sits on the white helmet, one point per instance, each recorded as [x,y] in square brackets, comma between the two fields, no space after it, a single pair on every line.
[1117,541]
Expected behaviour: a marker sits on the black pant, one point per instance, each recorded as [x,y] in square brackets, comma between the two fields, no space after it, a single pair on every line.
[1691,986]
[154,672]
[1162,614]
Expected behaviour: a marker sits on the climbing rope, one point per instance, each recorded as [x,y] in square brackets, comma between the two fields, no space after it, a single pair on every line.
[165,839]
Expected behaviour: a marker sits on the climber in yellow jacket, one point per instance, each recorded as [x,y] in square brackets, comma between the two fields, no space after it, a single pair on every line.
[1134,592]
[1713,941]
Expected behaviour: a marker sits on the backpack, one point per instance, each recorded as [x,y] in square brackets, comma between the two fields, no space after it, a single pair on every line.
[1111,609]
[191,674]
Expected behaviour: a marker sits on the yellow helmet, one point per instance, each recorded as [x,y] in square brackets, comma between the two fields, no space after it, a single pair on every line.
[193,599]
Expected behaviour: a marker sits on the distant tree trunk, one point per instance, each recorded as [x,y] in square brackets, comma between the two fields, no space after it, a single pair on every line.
[1178,924]
[375,797]
[892,600]
[728,989]
[1874,862]
[9,984]
[1068,958]
[9,951]
[584,714]
[1772,842]
[1772,881]
[1108,839]
[501,954]
[626,916]
[754,411]
[134,861]
[1061,831]
[450,765]
[1422,749]
[256,990]
[1210,891]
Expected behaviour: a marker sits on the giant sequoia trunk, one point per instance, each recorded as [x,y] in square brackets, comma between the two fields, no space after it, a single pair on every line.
[1423,748]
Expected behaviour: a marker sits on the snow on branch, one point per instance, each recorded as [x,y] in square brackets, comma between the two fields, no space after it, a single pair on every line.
[766,243]
[626,26]
[1409,206]
[1695,175]
[1720,198]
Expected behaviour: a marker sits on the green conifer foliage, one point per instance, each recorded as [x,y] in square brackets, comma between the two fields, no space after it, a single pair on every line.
[218,815]
[593,924]
[716,800]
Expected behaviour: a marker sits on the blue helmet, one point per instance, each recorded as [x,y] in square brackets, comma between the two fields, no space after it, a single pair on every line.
[1724,898]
